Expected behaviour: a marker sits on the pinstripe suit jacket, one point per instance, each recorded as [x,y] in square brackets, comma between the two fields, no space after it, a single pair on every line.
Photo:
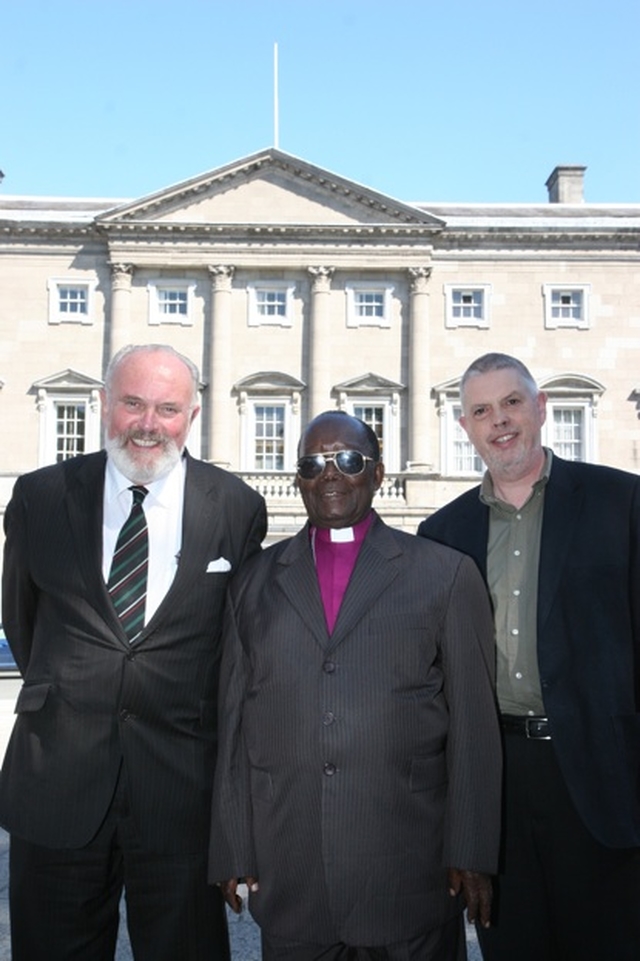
[90,701]
[355,768]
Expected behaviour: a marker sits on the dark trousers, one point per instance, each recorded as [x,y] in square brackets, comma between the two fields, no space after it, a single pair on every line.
[560,895]
[64,904]
[444,944]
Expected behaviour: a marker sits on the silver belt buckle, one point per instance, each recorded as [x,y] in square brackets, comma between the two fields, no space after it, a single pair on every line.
[530,723]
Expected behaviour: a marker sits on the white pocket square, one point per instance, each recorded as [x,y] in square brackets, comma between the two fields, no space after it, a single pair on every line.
[219,566]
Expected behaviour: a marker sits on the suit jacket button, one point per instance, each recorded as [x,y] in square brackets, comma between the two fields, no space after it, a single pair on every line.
[329,769]
[329,667]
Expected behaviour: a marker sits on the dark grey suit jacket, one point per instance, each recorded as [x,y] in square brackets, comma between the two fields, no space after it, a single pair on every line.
[355,768]
[90,701]
[588,632]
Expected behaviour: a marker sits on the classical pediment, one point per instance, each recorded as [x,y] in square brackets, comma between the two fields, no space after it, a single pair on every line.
[271,188]
[269,381]
[369,383]
[66,380]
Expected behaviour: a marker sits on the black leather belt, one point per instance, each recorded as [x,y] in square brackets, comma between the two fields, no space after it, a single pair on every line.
[529,726]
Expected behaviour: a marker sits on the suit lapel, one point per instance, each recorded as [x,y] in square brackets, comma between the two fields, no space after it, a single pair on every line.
[85,504]
[201,516]
[297,579]
[374,573]
[562,506]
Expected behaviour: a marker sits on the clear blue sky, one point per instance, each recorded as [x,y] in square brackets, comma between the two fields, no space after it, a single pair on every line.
[441,100]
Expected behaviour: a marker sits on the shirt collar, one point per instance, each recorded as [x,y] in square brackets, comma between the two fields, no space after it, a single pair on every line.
[488,496]
[165,491]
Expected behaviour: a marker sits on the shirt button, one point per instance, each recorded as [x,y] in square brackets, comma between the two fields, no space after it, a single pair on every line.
[516,553]
[329,769]
[328,718]
[519,675]
[515,631]
[329,667]
[516,593]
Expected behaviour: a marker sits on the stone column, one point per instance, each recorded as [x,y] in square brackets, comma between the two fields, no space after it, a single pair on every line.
[419,458]
[220,366]
[320,341]
[121,276]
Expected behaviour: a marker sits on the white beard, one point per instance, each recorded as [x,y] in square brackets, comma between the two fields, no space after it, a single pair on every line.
[145,467]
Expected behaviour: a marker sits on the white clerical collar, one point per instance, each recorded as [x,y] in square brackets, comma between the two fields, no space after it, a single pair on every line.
[341,535]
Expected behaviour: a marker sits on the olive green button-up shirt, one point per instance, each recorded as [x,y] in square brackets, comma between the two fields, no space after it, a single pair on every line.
[513,557]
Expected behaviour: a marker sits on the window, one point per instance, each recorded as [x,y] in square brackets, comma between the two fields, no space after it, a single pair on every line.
[269,407]
[572,405]
[70,301]
[464,459]
[369,304]
[457,455]
[567,432]
[374,416]
[566,306]
[171,302]
[270,304]
[269,436]
[376,401]
[467,306]
[71,422]
[69,409]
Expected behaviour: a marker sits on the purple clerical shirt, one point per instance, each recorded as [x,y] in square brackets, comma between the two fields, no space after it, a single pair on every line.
[335,552]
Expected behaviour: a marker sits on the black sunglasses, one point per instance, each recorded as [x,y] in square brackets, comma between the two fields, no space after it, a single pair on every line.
[349,462]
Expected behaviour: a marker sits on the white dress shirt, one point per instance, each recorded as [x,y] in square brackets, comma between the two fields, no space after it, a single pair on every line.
[163,510]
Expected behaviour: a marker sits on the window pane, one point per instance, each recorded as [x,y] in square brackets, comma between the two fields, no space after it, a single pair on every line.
[465,459]
[269,438]
[72,300]
[70,430]
[271,303]
[568,432]
[566,304]
[466,304]
[369,303]
[374,417]
[172,301]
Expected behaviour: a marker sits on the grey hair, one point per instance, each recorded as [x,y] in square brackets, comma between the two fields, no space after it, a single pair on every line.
[496,361]
[117,359]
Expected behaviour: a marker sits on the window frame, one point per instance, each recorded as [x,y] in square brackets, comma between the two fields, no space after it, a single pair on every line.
[481,323]
[255,318]
[56,315]
[157,317]
[555,323]
[368,287]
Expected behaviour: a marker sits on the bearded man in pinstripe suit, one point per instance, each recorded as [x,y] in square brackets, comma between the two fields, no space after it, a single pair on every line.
[358,784]
[107,778]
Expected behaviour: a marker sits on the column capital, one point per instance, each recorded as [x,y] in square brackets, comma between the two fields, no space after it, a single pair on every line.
[419,279]
[121,275]
[321,278]
[221,276]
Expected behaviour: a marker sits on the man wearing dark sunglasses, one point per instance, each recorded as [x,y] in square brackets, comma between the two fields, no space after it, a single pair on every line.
[358,785]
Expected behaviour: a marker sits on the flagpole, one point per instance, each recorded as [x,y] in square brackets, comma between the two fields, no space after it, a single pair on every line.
[275,95]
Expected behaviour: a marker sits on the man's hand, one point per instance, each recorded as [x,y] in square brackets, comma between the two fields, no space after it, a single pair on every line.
[477,891]
[230,891]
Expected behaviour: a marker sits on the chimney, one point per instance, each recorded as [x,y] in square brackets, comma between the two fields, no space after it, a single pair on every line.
[566,184]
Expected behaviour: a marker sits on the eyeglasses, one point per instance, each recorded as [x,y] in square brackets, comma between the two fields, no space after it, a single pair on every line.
[349,462]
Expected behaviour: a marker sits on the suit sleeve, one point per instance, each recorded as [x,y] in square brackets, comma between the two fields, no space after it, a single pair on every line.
[474,752]
[19,594]
[231,852]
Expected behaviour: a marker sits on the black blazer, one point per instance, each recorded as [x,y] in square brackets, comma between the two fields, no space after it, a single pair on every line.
[588,632]
[92,702]
[356,767]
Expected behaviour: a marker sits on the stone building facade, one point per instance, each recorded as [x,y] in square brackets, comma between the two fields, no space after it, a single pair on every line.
[295,291]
